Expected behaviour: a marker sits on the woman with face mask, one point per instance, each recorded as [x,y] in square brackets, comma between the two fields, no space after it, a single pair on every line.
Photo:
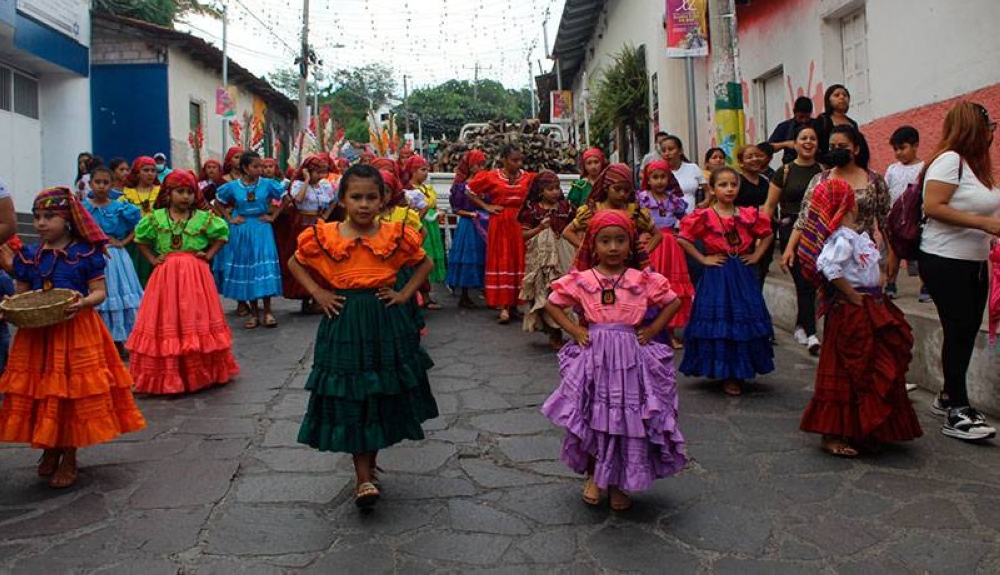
[848,160]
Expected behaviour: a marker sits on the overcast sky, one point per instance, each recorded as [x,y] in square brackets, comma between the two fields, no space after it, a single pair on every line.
[430,41]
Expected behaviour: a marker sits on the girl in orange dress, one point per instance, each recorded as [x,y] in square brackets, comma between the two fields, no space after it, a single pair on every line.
[65,386]
[368,386]
[181,341]
[501,193]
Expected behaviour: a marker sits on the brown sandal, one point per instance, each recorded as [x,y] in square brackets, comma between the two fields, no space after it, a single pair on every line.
[367,495]
[838,448]
[252,323]
[591,492]
[242,310]
[732,387]
[64,478]
[270,321]
[619,500]
[504,318]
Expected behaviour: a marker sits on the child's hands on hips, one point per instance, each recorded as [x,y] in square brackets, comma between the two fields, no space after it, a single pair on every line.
[390,297]
[160,259]
[203,256]
[750,259]
[581,336]
[714,260]
[329,302]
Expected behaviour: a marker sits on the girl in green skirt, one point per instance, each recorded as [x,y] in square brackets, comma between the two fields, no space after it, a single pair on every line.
[368,385]
[422,197]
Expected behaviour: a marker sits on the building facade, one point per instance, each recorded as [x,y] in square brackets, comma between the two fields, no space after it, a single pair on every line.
[44,93]
[153,86]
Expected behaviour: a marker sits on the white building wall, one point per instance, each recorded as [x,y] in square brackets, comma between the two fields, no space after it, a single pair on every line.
[64,102]
[188,81]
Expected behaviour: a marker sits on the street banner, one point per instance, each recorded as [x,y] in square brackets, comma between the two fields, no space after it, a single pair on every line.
[561,106]
[225,101]
[729,118]
[687,28]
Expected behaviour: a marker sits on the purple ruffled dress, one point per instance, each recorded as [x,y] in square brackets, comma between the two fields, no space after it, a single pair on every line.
[617,399]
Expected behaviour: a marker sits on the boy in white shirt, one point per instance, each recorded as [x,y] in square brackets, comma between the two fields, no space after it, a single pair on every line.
[905,142]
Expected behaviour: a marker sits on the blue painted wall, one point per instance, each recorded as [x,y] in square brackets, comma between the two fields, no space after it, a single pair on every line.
[130,110]
[45,42]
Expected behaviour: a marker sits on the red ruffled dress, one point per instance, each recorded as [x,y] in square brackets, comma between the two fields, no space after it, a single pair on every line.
[504,243]
[65,385]
[181,341]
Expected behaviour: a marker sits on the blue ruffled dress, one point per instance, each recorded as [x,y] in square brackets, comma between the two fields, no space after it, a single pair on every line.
[124,292]
[247,267]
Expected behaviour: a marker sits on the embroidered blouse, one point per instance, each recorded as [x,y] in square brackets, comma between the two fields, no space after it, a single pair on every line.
[707,225]
[636,292]
[532,213]
[71,268]
[317,199]
[117,219]
[144,200]
[359,263]
[250,200]
[200,231]
[641,217]
[666,213]
[850,255]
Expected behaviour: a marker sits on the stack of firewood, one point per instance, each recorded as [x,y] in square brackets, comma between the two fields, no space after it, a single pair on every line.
[541,151]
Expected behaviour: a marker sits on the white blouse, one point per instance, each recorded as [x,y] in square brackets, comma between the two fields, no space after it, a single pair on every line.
[317,199]
[850,255]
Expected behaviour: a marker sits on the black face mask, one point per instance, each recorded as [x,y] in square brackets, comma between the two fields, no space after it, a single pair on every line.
[839,157]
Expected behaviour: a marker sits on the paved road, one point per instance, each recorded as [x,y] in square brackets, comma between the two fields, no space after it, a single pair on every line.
[217,484]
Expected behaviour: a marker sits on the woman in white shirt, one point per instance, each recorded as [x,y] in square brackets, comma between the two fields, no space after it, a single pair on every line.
[962,204]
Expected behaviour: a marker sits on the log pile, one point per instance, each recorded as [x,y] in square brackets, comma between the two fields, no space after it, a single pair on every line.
[541,151]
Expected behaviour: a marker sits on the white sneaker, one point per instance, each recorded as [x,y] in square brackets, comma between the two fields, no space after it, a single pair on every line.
[939,407]
[812,342]
[800,335]
[911,387]
[967,423]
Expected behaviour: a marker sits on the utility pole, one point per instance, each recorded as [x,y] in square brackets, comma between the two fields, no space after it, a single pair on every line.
[225,71]
[304,68]
[726,90]
[531,86]
[475,83]
[406,103]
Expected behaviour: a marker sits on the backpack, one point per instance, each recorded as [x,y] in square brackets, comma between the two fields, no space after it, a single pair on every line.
[905,223]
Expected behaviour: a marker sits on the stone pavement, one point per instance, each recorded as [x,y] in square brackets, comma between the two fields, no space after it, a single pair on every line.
[217,484]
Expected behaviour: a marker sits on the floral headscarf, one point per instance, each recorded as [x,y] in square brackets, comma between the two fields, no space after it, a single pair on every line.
[64,203]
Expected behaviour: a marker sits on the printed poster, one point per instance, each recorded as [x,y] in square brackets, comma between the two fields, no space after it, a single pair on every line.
[687,28]
[225,102]
[561,106]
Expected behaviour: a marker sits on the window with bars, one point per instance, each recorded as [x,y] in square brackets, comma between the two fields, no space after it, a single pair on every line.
[25,96]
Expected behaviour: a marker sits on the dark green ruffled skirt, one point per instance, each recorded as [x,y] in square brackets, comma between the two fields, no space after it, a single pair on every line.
[369,386]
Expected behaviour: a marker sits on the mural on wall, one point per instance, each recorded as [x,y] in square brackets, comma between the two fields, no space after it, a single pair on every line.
[813,91]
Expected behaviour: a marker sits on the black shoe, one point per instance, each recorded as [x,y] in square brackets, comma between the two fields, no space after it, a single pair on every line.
[967,423]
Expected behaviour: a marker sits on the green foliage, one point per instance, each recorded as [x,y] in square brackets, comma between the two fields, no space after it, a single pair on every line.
[286,81]
[445,108]
[162,12]
[622,97]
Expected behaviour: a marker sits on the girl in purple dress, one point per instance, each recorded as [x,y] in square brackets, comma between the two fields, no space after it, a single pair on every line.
[616,397]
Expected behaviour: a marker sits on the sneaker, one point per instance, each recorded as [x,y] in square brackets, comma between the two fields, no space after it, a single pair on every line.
[967,423]
[890,291]
[813,344]
[939,407]
[925,296]
[800,335]
[911,387]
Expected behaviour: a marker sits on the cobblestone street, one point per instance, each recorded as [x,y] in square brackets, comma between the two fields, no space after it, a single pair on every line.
[218,484]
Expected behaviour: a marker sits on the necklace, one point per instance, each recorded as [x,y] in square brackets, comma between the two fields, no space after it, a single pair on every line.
[608,296]
[252,194]
[177,234]
[145,202]
[732,235]
[47,276]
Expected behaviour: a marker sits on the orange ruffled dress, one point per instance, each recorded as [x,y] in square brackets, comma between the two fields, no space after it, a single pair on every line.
[181,341]
[65,385]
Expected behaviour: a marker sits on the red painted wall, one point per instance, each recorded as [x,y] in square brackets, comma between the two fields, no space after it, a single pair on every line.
[928,120]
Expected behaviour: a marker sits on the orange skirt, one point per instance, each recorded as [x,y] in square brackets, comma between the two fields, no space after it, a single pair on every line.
[181,341]
[65,386]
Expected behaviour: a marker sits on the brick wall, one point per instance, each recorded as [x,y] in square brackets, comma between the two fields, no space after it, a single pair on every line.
[122,50]
[928,120]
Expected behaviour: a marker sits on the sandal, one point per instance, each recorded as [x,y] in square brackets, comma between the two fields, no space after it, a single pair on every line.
[619,500]
[367,495]
[64,478]
[732,387]
[270,321]
[676,343]
[242,310]
[504,318]
[48,463]
[591,492]
[431,304]
[838,447]
[252,323]
[375,470]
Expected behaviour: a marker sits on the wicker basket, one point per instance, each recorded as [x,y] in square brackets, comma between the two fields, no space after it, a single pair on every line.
[38,308]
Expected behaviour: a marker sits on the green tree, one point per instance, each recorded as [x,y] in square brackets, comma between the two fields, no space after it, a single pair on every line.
[286,81]
[162,12]
[622,99]
[445,108]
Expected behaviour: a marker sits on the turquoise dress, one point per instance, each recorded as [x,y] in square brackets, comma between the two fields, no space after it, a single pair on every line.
[247,267]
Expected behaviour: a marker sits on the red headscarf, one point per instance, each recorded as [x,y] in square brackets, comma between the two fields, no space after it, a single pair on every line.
[366,157]
[831,201]
[471,158]
[386,165]
[673,186]
[586,256]
[203,175]
[132,179]
[232,155]
[614,174]
[312,163]
[64,203]
[177,179]
[392,183]
[591,153]
[342,164]
[272,162]
[410,167]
